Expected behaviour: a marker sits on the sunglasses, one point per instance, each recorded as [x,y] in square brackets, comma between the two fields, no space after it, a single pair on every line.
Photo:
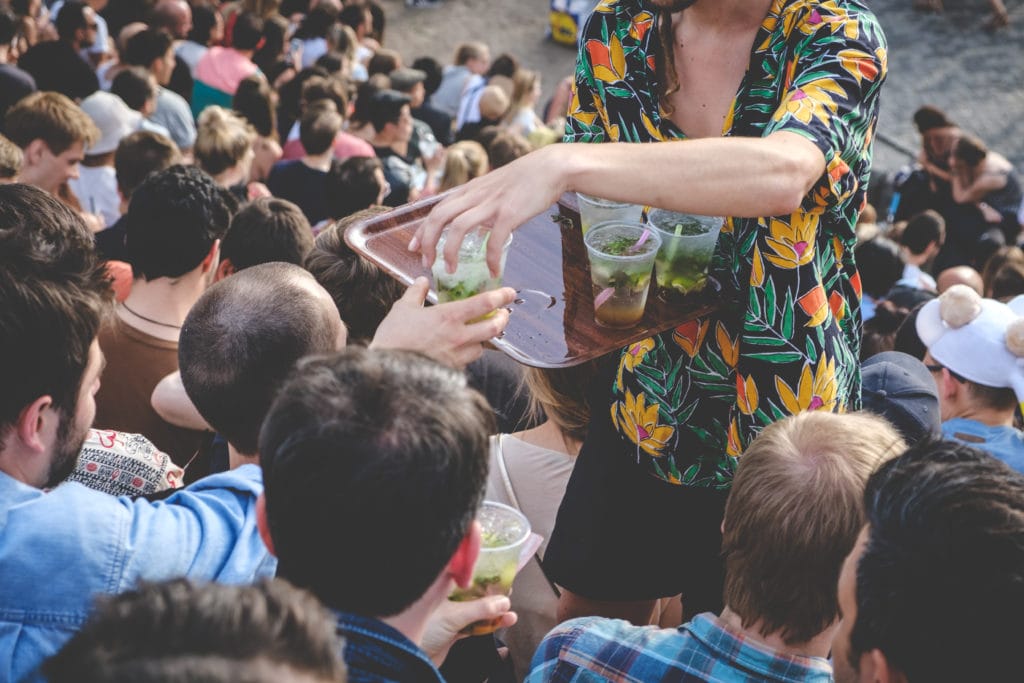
[940,368]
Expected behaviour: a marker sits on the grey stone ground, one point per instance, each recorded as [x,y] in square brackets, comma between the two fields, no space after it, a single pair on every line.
[943,59]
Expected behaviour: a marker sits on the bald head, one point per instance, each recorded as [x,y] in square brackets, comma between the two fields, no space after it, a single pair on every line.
[173,16]
[242,338]
[960,275]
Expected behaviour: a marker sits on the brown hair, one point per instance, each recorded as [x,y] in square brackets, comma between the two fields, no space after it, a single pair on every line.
[507,147]
[561,395]
[468,51]
[52,118]
[362,291]
[970,149]
[222,139]
[319,126]
[793,515]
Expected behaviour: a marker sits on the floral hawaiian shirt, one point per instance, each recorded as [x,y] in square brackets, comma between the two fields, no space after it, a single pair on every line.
[687,402]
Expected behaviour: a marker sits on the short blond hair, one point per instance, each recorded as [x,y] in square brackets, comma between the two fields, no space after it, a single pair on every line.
[793,514]
[53,118]
[223,138]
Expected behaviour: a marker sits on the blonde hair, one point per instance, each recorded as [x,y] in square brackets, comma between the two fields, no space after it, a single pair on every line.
[523,83]
[561,395]
[52,118]
[794,513]
[463,161]
[223,138]
[493,103]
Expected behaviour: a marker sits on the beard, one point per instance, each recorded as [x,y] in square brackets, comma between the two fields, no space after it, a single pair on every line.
[671,5]
[70,438]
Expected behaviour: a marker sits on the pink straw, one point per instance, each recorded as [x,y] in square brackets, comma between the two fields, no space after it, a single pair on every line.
[603,297]
[639,242]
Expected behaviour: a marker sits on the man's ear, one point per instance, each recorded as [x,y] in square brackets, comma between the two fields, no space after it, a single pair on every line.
[875,667]
[263,524]
[951,388]
[32,427]
[211,260]
[34,151]
[225,268]
[460,567]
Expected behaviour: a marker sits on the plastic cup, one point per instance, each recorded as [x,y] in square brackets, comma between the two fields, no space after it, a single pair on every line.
[505,532]
[621,257]
[594,210]
[472,274]
[687,244]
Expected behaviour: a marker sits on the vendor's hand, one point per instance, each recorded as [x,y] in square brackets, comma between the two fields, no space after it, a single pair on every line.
[450,617]
[443,332]
[502,200]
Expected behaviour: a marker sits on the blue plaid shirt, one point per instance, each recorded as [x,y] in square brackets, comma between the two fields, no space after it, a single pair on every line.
[375,653]
[596,649]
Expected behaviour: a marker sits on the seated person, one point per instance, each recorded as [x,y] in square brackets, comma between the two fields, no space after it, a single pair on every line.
[986,179]
[179,630]
[920,241]
[792,515]
[392,447]
[391,119]
[949,552]
[352,186]
[303,181]
[974,353]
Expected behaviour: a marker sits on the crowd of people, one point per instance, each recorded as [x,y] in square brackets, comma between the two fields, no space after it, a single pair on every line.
[233,448]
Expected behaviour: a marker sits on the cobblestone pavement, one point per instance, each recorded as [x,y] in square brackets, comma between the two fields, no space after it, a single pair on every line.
[946,59]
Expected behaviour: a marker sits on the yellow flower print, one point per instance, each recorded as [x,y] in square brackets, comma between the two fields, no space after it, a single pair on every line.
[810,100]
[642,23]
[757,268]
[611,128]
[608,61]
[859,64]
[633,356]
[640,424]
[576,111]
[793,242]
[746,394]
[733,445]
[690,336]
[729,347]
[815,392]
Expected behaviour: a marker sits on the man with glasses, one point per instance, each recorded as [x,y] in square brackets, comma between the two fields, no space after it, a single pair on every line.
[57,64]
[976,365]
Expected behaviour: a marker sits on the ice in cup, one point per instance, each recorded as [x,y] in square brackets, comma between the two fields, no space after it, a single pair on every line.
[687,244]
[472,274]
[504,534]
[621,257]
[594,210]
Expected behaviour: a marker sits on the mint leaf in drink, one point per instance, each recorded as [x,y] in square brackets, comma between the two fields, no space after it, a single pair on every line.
[619,246]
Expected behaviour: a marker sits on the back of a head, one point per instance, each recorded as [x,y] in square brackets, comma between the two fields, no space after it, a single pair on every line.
[52,118]
[928,117]
[880,265]
[793,515]
[494,102]
[970,149]
[243,337]
[53,293]
[468,51]
[1007,281]
[204,21]
[223,139]
[147,46]
[434,71]
[247,31]
[503,65]
[135,86]
[75,18]
[465,160]
[922,230]
[265,230]
[333,88]
[392,448]
[173,220]
[179,631]
[254,101]
[561,395]
[141,154]
[319,126]
[383,61]
[507,147]
[353,185]
[945,546]
[960,275]
[362,291]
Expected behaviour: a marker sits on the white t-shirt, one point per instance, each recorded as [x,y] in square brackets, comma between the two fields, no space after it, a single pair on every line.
[96,189]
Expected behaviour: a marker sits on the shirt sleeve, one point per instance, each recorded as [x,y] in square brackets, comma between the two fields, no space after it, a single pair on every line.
[206,531]
[830,94]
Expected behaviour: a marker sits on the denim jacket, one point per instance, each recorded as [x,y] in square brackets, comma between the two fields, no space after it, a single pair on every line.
[375,653]
[60,549]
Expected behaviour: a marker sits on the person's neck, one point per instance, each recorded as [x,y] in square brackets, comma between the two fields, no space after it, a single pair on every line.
[989,417]
[728,13]
[320,162]
[164,301]
[35,175]
[237,459]
[412,622]
[912,259]
[548,435]
[231,177]
[818,646]
[383,140]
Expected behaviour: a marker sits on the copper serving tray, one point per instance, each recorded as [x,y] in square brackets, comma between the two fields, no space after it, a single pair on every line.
[552,323]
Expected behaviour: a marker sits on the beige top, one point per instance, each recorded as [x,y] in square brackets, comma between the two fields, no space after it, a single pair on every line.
[532,479]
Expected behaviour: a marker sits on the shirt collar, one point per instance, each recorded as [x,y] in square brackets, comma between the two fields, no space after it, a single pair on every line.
[372,647]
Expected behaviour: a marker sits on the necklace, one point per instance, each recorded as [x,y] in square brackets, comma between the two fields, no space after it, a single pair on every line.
[149,320]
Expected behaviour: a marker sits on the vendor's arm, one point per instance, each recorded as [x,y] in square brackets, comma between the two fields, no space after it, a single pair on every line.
[711,176]
[966,191]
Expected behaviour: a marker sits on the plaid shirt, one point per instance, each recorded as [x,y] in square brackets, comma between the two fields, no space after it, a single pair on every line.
[375,653]
[596,649]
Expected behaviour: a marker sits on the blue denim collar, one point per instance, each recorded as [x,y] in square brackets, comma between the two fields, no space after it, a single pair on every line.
[376,652]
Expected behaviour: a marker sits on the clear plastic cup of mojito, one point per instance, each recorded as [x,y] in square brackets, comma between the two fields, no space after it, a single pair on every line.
[472,275]
[621,257]
[504,534]
[594,210]
[687,244]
